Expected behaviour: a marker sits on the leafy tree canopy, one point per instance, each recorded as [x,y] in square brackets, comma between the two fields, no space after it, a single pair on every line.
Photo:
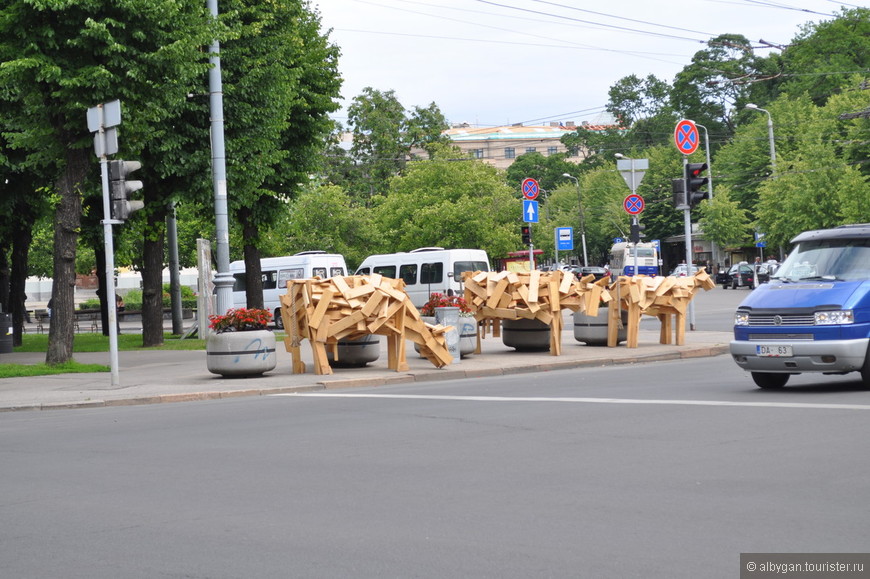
[448,203]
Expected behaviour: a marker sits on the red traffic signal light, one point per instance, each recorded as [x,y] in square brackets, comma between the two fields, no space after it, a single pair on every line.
[526,231]
[694,182]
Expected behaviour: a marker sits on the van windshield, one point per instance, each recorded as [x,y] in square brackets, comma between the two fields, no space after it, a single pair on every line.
[460,266]
[828,259]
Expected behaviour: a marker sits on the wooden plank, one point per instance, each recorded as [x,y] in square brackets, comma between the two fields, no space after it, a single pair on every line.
[497,294]
[320,310]
[534,282]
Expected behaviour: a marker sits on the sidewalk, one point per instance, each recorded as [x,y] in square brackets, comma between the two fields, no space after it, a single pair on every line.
[149,377]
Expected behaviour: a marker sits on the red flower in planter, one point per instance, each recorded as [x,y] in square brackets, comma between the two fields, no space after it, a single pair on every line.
[437,300]
[240,320]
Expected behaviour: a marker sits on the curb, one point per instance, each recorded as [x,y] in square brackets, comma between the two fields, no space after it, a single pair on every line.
[387,380]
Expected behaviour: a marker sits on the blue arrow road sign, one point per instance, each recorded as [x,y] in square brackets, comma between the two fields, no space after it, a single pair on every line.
[530,211]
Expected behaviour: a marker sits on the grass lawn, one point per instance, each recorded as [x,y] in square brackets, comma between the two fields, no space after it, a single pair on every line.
[86,343]
[100,343]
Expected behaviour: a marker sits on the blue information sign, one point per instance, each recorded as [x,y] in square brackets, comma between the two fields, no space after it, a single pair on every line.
[564,238]
[530,211]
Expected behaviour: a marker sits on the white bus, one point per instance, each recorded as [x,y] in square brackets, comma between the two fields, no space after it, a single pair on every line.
[276,271]
[427,270]
[622,259]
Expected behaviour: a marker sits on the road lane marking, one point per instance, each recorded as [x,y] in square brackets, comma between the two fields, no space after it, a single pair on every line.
[585,400]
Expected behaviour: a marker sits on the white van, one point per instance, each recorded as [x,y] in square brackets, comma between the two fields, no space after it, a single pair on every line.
[427,270]
[277,270]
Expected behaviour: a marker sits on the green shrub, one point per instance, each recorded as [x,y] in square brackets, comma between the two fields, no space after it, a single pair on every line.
[133,299]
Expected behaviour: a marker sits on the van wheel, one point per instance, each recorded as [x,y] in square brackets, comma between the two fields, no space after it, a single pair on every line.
[865,370]
[279,321]
[769,381]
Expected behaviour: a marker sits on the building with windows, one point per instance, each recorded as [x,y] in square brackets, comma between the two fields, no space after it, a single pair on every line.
[499,146]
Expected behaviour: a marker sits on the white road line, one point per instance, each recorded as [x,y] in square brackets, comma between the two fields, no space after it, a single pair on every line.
[586,400]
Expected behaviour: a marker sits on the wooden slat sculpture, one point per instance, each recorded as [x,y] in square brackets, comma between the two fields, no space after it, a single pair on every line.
[662,297]
[348,308]
[535,295]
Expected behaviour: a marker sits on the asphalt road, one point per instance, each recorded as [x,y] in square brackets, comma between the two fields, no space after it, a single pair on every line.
[667,469]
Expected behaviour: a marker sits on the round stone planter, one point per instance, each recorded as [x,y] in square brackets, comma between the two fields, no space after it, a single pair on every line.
[592,330]
[467,335]
[241,353]
[525,335]
[467,329]
[356,353]
[450,317]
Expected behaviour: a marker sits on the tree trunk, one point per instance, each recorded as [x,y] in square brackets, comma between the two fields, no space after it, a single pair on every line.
[100,258]
[21,240]
[253,273]
[152,274]
[4,279]
[67,220]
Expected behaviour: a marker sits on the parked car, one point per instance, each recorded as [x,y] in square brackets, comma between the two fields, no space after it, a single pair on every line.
[743,275]
[723,278]
[598,272]
[681,270]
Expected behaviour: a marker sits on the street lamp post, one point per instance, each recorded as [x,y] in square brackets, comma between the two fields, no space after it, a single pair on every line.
[754,107]
[582,219]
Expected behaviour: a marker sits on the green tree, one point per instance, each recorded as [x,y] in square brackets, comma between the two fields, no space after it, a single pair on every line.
[377,120]
[425,129]
[277,54]
[326,218]
[723,221]
[642,106]
[452,204]
[59,58]
[821,59]
[596,146]
[603,191]
[548,171]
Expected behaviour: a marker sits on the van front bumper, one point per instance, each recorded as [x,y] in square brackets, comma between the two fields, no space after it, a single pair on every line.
[829,356]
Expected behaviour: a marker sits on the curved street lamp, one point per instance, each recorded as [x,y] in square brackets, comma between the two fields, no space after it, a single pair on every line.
[582,220]
[754,107]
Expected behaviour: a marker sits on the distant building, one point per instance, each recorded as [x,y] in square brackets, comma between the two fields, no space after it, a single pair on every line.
[500,146]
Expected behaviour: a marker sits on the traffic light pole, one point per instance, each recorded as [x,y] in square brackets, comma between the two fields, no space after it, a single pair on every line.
[531,257]
[687,225]
[109,248]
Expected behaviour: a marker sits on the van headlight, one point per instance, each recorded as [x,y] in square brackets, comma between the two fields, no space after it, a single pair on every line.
[834,318]
[741,318]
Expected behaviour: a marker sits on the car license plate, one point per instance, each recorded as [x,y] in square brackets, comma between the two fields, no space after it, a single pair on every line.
[773,351]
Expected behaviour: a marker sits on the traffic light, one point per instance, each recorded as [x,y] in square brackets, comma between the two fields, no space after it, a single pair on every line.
[678,188]
[527,234]
[636,229]
[120,188]
[694,182]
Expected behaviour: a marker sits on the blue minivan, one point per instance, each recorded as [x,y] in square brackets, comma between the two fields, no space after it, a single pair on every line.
[813,315]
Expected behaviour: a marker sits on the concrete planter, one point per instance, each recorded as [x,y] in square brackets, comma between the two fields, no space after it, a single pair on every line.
[467,335]
[592,330]
[467,329]
[241,353]
[450,317]
[525,335]
[356,353]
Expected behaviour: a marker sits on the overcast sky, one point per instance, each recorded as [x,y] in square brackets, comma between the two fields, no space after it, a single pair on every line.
[497,62]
